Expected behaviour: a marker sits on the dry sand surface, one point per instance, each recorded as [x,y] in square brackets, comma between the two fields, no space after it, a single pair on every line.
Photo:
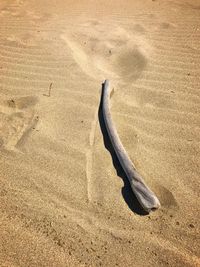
[64,200]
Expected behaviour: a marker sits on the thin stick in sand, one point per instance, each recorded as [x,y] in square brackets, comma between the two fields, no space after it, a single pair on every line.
[147,199]
[49,93]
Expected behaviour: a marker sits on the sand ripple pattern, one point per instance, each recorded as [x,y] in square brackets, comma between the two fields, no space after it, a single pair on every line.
[62,202]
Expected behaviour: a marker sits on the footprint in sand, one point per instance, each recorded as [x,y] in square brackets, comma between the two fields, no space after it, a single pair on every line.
[166,197]
[16,118]
[108,51]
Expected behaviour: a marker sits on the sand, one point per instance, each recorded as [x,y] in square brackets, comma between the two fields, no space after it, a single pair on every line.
[64,199]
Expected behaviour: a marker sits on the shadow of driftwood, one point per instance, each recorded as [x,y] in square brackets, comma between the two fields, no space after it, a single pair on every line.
[127,192]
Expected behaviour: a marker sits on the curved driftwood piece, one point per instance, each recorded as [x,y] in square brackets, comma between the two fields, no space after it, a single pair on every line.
[145,196]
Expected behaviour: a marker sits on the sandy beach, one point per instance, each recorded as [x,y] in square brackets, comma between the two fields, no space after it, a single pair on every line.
[64,199]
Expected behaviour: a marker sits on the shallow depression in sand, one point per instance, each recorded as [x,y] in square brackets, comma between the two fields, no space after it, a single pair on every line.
[116,55]
[16,118]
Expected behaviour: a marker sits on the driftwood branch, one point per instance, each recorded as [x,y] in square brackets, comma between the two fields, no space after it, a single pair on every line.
[145,196]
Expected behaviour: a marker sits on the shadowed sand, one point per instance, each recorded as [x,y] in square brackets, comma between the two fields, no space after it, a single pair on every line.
[64,199]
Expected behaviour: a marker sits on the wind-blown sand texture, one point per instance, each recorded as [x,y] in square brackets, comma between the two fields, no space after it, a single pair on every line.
[64,199]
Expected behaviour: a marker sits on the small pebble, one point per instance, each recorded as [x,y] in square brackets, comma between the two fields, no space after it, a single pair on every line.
[191,225]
